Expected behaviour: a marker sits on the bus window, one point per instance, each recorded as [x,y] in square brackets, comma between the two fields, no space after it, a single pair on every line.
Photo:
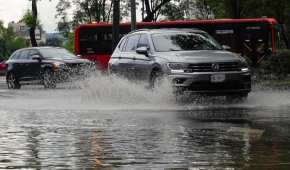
[227,37]
[94,41]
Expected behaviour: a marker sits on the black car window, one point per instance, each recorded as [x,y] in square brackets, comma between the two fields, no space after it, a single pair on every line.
[132,43]
[57,53]
[143,41]
[31,54]
[23,55]
[15,55]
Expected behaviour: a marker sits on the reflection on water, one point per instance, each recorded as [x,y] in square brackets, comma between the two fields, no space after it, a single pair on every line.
[201,138]
[107,123]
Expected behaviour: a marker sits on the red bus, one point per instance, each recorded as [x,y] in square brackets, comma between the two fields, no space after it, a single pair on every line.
[255,38]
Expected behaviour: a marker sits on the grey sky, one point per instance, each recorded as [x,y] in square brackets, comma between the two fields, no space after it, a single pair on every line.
[13,10]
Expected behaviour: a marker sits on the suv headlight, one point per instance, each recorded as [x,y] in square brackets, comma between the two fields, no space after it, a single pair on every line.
[177,67]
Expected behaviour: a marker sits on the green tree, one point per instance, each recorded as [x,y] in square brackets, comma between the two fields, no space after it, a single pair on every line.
[9,42]
[69,44]
[30,19]
[63,26]
[187,9]
[153,9]
[86,11]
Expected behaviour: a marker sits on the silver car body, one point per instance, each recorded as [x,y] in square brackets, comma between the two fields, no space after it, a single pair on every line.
[217,72]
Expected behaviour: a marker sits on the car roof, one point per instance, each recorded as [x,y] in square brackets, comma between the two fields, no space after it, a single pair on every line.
[168,30]
[38,48]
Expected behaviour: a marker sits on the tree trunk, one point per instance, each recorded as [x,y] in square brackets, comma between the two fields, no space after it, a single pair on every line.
[33,27]
[150,12]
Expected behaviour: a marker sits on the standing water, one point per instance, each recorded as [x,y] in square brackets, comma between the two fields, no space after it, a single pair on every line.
[109,123]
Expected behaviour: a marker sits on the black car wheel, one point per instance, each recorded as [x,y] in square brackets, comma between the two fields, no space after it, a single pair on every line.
[155,79]
[12,82]
[237,97]
[49,79]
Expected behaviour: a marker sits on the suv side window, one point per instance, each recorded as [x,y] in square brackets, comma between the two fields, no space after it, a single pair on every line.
[122,44]
[143,41]
[132,43]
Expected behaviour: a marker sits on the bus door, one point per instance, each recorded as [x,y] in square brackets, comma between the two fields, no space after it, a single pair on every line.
[255,43]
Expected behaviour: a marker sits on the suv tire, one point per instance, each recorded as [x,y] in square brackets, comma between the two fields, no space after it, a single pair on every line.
[156,77]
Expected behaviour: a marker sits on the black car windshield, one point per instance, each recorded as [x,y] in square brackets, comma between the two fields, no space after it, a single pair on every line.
[185,41]
[56,53]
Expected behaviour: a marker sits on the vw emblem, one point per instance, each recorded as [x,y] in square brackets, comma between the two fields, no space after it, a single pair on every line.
[215,67]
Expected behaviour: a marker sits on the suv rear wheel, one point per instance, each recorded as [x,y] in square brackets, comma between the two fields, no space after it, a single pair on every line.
[12,82]
[49,79]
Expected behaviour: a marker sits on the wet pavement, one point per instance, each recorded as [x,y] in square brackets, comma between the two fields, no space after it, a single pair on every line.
[73,128]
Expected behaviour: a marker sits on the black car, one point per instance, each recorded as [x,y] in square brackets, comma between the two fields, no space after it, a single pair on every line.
[192,59]
[44,65]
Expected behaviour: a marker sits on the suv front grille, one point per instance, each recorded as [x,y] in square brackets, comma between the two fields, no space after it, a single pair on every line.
[213,67]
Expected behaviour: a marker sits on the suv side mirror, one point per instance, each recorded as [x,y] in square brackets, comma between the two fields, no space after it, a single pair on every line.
[226,47]
[142,50]
[36,57]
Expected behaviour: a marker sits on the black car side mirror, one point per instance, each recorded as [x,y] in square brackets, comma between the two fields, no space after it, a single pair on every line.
[36,57]
[142,50]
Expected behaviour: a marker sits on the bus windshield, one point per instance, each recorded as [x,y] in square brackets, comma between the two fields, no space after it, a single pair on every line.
[164,42]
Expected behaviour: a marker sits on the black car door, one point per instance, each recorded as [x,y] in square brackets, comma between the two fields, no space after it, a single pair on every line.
[33,70]
[141,61]
[23,65]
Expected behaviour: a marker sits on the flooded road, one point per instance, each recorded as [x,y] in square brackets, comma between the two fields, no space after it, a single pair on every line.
[95,126]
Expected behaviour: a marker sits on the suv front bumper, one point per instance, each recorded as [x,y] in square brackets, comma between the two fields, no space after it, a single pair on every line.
[201,82]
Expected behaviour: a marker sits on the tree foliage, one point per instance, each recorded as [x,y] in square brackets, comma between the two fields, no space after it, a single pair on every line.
[278,9]
[85,11]
[30,19]
[153,9]
[9,42]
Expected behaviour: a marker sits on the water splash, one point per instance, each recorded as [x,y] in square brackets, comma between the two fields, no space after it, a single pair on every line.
[115,90]
[103,92]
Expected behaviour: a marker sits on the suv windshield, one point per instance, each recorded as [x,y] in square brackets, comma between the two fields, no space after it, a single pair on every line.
[57,53]
[185,41]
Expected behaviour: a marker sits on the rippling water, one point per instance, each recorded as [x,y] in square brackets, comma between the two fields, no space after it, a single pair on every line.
[108,123]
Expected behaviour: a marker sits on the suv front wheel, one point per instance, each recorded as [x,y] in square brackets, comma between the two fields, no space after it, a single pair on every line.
[156,78]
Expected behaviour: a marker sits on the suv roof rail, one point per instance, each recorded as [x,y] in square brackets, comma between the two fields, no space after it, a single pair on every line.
[143,29]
